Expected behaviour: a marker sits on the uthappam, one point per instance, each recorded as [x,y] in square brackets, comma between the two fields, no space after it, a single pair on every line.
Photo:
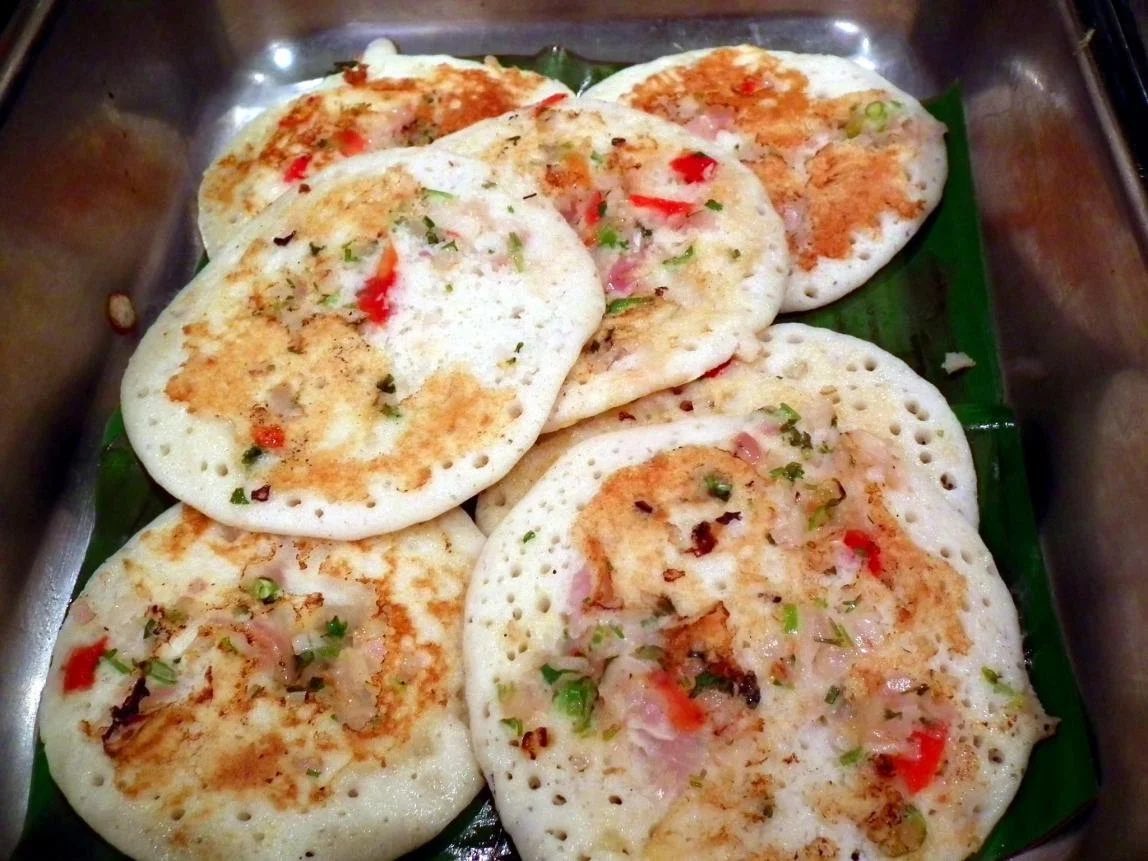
[690,252]
[384,100]
[814,371]
[220,694]
[853,164]
[369,352]
[692,641]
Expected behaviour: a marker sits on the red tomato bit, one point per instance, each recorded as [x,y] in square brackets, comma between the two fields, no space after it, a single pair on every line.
[356,75]
[694,167]
[860,543]
[350,142]
[548,102]
[714,372]
[593,213]
[918,771]
[297,169]
[80,668]
[684,713]
[373,296]
[748,87]
[269,436]
[662,205]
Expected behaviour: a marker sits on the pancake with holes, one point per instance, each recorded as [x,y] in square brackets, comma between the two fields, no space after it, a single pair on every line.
[385,100]
[365,355]
[810,370]
[224,694]
[853,164]
[689,250]
[683,643]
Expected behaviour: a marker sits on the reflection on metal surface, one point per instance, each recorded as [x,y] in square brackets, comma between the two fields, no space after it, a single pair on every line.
[1071,283]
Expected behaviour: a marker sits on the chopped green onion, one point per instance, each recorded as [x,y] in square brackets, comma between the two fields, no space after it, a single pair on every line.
[160,671]
[238,497]
[313,772]
[514,725]
[621,306]
[514,245]
[714,205]
[251,455]
[529,536]
[790,621]
[685,257]
[265,590]
[608,238]
[575,698]
[551,675]
[110,657]
[785,414]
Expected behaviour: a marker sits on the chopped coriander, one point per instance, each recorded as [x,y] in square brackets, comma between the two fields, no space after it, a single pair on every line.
[115,663]
[851,757]
[391,411]
[514,246]
[621,306]
[706,680]
[304,659]
[596,157]
[823,512]
[718,486]
[785,414]
[315,249]
[529,536]
[251,455]
[238,497]
[336,627]
[313,772]
[714,205]
[514,725]
[685,257]
[833,694]
[790,620]
[432,234]
[386,385]
[790,472]
[161,672]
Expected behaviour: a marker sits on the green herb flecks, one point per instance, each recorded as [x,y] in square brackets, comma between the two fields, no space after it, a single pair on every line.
[575,698]
[833,694]
[514,726]
[790,619]
[251,455]
[683,258]
[432,235]
[851,757]
[435,194]
[239,497]
[718,486]
[514,247]
[714,205]
[608,238]
[265,590]
[790,472]
[109,657]
[158,670]
[707,681]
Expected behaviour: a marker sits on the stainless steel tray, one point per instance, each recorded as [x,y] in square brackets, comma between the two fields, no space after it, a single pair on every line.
[106,127]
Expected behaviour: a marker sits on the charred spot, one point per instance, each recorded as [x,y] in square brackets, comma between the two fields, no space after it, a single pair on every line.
[728,678]
[283,240]
[261,494]
[626,417]
[125,714]
[534,741]
[304,188]
[884,766]
[644,506]
[686,406]
[672,574]
[729,517]
[703,539]
[617,141]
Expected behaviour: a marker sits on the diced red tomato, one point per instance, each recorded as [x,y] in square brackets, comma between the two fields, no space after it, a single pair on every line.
[269,436]
[716,371]
[80,668]
[298,168]
[859,542]
[593,213]
[548,102]
[684,713]
[748,87]
[374,295]
[694,167]
[918,771]
[356,75]
[350,142]
[662,205]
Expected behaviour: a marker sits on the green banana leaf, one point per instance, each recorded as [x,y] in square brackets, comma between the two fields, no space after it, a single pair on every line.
[932,298]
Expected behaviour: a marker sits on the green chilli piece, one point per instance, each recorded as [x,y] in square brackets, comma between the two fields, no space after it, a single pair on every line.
[685,257]
[790,620]
[575,698]
[115,663]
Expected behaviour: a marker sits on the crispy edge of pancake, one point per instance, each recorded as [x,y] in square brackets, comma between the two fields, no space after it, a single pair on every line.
[829,76]
[928,427]
[540,573]
[247,824]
